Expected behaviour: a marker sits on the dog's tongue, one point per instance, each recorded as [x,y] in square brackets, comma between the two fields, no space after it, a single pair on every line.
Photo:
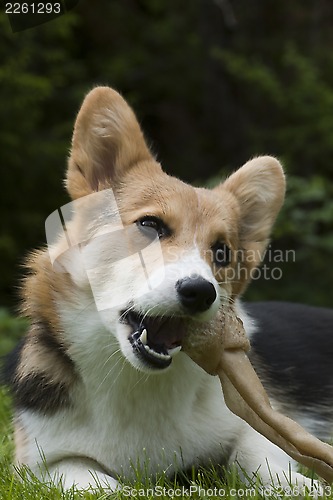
[220,350]
[168,333]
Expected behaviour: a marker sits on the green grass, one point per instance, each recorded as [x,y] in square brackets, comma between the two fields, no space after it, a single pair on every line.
[205,484]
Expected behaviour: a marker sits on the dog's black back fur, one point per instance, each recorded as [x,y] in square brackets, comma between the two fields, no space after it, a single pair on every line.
[292,349]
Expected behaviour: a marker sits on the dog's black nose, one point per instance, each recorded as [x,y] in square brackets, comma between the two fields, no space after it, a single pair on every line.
[196,294]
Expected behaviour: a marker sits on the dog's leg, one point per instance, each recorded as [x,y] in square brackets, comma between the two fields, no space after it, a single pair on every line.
[254,454]
[79,473]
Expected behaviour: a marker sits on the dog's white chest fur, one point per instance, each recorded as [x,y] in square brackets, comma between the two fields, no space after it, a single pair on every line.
[155,422]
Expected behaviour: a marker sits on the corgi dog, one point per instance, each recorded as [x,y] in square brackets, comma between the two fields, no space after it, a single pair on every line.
[101,385]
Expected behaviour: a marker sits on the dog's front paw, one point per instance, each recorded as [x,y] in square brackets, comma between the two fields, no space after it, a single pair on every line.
[90,480]
[76,474]
[294,485]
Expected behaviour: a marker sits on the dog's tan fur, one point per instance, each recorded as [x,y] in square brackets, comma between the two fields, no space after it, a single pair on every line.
[109,151]
[107,138]
[39,303]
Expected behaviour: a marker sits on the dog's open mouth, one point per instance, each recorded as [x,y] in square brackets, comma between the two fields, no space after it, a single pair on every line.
[155,340]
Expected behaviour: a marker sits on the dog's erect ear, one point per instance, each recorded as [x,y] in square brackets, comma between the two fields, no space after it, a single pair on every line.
[107,141]
[259,187]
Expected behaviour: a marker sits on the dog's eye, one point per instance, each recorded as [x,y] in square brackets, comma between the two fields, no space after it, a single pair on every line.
[221,254]
[156,224]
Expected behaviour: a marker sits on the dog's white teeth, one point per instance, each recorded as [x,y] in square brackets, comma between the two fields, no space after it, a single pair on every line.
[159,355]
[174,350]
[143,337]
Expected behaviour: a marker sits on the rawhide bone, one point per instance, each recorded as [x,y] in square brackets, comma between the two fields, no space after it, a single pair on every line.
[221,350]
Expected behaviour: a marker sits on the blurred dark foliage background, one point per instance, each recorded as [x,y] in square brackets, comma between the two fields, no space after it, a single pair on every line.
[213,82]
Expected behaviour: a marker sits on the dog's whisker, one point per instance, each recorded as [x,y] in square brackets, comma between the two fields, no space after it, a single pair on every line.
[143,378]
[124,362]
[112,369]
[110,357]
